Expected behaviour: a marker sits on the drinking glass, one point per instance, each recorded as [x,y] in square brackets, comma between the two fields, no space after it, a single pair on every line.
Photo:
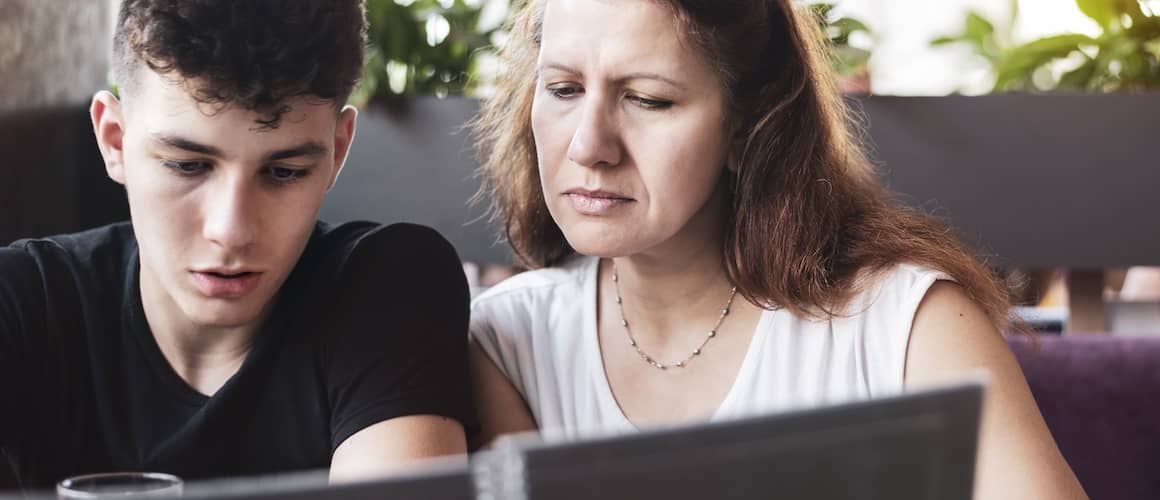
[120,485]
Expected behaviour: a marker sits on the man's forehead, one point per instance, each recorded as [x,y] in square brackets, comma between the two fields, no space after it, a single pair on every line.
[175,97]
[172,122]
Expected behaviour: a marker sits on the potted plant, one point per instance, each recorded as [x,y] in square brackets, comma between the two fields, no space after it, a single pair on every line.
[423,47]
[411,159]
[1094,88]
[1124,56]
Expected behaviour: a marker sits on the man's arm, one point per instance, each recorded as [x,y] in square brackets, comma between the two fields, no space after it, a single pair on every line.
[18,276]
[1017,458]
[396,445]
[398,378]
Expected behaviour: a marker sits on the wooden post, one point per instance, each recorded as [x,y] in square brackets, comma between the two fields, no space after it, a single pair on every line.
[1085,299]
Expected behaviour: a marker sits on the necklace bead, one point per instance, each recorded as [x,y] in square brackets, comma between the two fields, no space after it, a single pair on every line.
[643,355]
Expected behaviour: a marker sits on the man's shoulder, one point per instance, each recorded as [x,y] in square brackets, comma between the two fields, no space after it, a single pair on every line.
[371,258]
[49,286]
[103,250]
[341,241]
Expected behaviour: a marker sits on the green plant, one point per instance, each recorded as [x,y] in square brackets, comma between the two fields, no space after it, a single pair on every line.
[421,47]
[1125,56]
[435,47]
[980,33]
[847,60]
[988,43]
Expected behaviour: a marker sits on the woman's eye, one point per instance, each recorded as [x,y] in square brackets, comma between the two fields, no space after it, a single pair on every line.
[647,103]
[565,92]
[188,168]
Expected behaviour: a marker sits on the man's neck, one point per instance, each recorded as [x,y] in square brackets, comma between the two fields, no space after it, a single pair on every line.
[205,358]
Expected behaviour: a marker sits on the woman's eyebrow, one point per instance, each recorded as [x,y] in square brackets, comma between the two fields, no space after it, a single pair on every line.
[645,75]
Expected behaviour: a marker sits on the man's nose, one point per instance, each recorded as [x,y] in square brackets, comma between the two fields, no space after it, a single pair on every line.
[229,222]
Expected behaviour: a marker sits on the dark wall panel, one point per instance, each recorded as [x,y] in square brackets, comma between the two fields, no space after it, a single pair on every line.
[52,178]
[1067,180]
[1034,181]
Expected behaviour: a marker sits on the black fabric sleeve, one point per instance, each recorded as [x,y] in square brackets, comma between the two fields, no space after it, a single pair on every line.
[400,332]
[19,287]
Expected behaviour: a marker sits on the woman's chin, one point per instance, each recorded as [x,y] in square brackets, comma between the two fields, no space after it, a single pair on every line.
[600,248]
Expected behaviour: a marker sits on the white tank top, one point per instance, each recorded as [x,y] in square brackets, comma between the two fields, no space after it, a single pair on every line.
[539,328]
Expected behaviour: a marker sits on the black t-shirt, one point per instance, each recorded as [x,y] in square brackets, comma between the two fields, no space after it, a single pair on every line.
[370,325]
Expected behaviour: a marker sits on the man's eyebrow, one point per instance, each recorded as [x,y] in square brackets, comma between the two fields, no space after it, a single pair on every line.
[309,149]
[182,143]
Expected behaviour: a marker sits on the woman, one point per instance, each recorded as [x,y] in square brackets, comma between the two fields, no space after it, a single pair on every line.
[712,241]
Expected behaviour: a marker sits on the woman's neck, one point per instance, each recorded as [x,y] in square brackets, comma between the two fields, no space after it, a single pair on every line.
[654,283]
[678,288]
[668,292]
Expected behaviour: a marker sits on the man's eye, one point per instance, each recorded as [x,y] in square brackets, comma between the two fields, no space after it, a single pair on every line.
[186,167]
[285,174]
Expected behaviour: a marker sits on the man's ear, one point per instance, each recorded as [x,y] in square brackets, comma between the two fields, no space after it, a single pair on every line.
[343,137]
[109,129]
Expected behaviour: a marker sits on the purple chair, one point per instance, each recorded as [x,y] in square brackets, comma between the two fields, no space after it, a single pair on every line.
[1100,396]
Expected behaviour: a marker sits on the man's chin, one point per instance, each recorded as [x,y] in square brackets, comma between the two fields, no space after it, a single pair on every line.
[224,316]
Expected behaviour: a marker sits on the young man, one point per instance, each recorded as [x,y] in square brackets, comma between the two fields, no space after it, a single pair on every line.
[225,331]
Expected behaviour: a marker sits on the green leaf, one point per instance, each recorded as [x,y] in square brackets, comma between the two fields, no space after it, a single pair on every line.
[1021,62]
[849,25]
[839,31]
[850,60]
[1109,12]
[822,10]
[1131,8]
[945,40]
[978,27]
[1100,11]
[1079,78]
[979,32]
[1145,29]
[1136,67]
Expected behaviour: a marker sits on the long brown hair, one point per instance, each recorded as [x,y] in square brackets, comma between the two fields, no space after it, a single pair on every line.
[809,217]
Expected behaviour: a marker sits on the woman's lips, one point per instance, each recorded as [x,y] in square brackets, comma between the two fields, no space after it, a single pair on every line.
[596,203]
[226,286]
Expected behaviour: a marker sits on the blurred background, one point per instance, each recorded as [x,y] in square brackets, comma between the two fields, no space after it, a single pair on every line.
[1027,124]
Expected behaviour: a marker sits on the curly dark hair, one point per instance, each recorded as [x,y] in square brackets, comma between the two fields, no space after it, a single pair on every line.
[255,54]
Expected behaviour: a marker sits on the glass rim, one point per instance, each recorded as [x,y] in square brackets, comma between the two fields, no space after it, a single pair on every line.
[68,485]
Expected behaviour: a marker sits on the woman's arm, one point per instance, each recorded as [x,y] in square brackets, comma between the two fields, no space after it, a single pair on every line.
[1017,458]
[500,407]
